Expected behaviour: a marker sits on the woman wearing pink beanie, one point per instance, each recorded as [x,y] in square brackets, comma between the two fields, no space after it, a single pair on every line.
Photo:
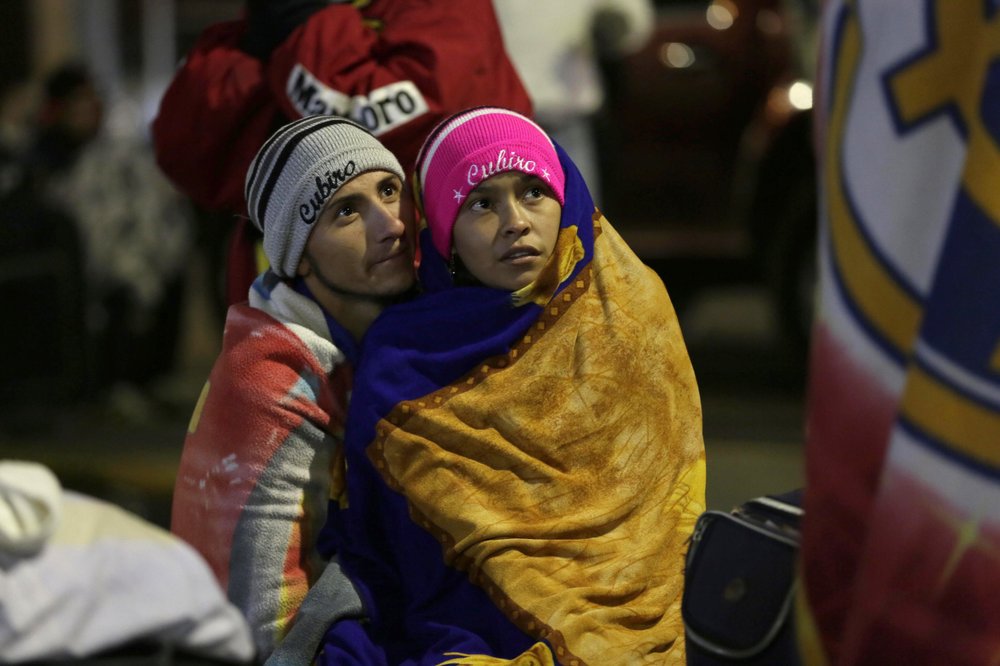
[491,189]
[524,446]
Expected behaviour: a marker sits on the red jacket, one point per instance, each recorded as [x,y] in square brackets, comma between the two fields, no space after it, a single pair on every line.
[397,66]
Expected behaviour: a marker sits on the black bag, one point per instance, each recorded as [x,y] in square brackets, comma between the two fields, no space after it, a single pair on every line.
[740,584]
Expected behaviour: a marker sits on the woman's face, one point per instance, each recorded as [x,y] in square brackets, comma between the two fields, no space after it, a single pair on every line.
[506,230]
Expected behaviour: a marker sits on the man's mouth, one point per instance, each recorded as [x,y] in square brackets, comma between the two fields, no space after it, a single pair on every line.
[390,257]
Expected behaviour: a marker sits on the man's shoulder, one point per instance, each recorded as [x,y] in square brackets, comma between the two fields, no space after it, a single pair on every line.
[258,340]
[251,330]
[244,319]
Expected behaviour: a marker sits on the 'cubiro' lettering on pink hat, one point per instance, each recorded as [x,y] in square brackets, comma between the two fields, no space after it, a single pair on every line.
[470,147]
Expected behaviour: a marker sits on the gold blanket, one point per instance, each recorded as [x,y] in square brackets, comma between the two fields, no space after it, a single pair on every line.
[566,476]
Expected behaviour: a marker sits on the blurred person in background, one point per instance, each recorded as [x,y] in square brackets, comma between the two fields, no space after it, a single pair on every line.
[556,49]
[43,366]
[134,229]
[18,102]
[901,535]
[396,67]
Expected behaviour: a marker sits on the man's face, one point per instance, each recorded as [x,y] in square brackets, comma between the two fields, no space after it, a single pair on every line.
[359,245]
[83,113]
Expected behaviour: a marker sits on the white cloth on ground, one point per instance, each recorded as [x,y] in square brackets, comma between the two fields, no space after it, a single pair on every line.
[79,576]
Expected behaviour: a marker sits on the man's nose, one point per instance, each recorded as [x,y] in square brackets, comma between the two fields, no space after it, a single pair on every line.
[389,224]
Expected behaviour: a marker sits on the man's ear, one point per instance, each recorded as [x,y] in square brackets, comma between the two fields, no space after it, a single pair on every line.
[407,206]
[305,266]
[408,214]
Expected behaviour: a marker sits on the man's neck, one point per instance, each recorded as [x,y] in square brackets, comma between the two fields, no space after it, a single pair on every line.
[355,312]
[354,315]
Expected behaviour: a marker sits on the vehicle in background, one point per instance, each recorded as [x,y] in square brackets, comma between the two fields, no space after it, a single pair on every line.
[707,150]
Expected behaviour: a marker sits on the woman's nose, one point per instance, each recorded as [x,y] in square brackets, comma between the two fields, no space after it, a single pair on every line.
[514,221]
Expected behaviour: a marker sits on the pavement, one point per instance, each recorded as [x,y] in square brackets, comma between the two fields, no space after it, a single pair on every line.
[753,396]
[126,448]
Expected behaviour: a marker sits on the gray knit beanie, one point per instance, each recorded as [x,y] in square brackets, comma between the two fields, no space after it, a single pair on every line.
[297,170]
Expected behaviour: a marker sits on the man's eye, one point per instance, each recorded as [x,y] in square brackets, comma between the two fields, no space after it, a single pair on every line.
[345,211]
[389,190]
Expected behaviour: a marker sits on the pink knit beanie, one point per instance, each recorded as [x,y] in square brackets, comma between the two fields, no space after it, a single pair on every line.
[470,147]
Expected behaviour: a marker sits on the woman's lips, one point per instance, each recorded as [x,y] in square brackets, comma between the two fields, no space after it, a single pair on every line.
[520,254]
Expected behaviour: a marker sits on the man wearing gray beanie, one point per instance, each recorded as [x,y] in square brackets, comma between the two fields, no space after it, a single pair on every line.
[263,455]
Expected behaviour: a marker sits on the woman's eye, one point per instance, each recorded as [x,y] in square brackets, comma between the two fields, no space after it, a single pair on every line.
[534,193]
[480,204]
[389,191]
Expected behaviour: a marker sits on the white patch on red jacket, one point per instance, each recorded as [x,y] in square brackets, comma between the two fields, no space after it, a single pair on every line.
[381,110]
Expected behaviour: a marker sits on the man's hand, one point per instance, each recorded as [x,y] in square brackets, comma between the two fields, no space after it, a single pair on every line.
[269,22]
